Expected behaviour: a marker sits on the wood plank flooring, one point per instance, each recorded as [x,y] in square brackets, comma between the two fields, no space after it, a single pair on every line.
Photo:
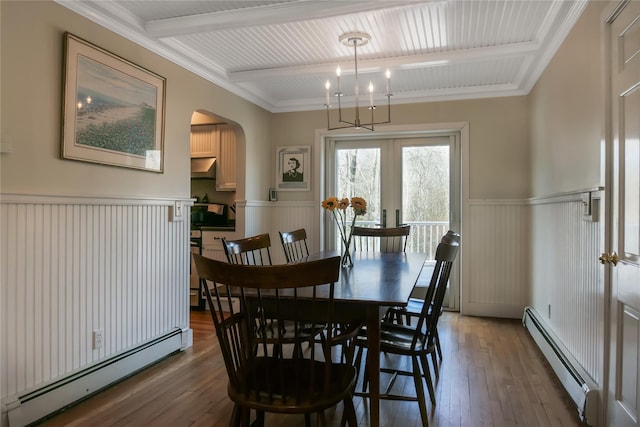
[492,375]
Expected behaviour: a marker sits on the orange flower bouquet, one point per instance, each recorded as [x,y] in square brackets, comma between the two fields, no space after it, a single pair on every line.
[338,207]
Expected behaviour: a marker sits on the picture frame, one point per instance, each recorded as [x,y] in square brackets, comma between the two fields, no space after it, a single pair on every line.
[113,109]
[293,168]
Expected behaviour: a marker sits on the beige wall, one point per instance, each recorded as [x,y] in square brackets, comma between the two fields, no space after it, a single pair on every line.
[32,58]
[567,112]
[499,133]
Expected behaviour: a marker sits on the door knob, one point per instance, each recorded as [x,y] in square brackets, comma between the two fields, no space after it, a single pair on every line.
[609,258]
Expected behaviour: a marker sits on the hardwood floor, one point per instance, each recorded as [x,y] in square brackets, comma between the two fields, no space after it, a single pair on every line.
[492,375]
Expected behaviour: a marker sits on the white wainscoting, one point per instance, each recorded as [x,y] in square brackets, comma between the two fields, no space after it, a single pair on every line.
[70,266]
[566,278]
[495,258]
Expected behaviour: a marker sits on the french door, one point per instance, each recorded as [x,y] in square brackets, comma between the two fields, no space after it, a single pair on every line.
[410,180]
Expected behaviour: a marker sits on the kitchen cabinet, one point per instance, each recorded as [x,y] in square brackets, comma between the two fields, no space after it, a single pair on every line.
[226,162]
[204,141]
[217,141]
[212,244]
[212,248]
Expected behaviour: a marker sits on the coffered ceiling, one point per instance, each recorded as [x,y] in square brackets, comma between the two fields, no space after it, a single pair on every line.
[278,54]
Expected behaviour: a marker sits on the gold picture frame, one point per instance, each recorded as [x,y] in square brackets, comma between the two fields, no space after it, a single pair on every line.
[113,110]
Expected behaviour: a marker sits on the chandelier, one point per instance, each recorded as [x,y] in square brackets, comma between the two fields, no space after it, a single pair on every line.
[356,39]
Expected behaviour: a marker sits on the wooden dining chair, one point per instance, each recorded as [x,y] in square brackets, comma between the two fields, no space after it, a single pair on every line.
[414,307]
[392,239]
[292,295]
[294,244]
[416,342]
[254,250]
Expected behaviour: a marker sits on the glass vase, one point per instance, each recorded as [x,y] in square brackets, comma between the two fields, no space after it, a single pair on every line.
[346,259]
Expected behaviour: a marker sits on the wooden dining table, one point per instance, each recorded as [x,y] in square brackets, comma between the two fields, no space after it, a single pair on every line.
[364,292]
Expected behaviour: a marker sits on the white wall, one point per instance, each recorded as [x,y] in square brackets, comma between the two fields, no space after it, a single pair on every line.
[567,127]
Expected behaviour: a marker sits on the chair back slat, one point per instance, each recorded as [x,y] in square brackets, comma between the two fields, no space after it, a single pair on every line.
[392,239]
[294,244]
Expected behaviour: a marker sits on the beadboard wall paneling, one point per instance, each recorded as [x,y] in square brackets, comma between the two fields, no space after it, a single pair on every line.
[273,217]
[567,289]
[495,258]
[70,266]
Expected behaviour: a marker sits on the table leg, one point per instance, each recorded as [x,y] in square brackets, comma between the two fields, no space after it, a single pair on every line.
[373,364]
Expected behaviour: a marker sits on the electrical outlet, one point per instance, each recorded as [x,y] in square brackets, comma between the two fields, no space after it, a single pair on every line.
[98,339]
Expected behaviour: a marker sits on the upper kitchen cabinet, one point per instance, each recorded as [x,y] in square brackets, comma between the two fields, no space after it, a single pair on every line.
[205,141]
[226,163]
[219,141]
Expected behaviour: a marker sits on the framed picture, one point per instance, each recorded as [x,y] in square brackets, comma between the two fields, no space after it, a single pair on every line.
[293,168]
[113,110]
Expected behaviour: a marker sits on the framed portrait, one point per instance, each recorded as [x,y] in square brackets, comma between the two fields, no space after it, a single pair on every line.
[293,168]
[113,110]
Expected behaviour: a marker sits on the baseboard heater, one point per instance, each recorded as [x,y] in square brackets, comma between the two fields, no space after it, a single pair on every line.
[37,404]
[573,377]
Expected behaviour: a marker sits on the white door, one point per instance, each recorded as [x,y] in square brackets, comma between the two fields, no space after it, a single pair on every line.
[624,45]
[404,181]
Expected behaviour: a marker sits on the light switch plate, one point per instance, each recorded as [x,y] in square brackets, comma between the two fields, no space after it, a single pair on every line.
[176,212]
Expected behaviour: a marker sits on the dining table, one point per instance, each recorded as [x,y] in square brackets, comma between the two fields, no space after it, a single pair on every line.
[364,292]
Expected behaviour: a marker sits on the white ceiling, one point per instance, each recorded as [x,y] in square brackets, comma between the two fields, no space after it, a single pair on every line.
[278,54]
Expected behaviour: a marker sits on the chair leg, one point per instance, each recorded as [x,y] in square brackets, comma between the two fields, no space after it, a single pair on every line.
[417,380]
[437,341]
[434,361]
[358,364]
[427,377]
[236,416]
[245,418]
[259,421]
[349,413]
[307,420]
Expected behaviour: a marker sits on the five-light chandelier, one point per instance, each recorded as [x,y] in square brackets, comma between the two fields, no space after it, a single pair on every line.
[356,39]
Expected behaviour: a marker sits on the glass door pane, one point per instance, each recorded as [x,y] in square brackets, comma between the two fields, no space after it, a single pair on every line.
[425,195]
[358,173]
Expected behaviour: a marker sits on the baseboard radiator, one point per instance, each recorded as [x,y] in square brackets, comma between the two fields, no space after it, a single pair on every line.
[36,404]
[576,381]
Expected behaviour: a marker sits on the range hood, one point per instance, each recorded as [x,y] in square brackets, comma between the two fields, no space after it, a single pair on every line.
[203,167]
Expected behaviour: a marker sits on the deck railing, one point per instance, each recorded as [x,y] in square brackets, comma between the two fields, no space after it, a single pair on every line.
[424,236]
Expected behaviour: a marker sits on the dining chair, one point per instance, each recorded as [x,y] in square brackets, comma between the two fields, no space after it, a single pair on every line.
[414,307]
[391,239]
[416,342]
[291,382]
[254,250]
[294,244]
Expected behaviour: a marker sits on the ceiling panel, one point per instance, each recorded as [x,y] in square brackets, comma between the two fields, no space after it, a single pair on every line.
[278,54]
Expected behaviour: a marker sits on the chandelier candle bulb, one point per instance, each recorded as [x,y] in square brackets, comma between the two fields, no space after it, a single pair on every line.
[338,72]
[327,86]
[371,94]
[388,74]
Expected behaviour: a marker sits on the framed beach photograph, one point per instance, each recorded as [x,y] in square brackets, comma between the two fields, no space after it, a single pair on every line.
[113,110]
[293,168]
